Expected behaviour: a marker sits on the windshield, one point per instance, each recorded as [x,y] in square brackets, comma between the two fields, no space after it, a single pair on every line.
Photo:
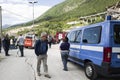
[117,34]
[29,37]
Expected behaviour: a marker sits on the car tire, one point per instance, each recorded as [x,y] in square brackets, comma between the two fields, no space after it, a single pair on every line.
[90,71]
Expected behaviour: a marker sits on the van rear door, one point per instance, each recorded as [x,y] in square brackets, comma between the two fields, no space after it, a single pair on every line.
[115,56]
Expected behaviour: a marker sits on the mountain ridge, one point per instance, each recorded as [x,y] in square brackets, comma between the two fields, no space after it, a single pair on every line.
[77,8]
[57,17]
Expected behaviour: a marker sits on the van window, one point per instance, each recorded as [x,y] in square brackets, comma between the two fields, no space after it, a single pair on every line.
[71,37]
[78,36]
[117,34]
[92,35]
[29,37]
[75,36]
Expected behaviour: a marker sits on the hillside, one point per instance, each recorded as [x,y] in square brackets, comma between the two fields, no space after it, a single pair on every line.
[76,8]
[56,18]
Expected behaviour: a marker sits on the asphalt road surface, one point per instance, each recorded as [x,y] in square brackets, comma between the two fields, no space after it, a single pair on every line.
[14,67]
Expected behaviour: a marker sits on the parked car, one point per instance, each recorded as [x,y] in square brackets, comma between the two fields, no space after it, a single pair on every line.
[29,41]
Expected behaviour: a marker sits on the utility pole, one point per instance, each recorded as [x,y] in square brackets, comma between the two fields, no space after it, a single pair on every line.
[33,2]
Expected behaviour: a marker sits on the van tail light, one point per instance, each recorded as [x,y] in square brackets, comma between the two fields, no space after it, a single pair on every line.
[107,54]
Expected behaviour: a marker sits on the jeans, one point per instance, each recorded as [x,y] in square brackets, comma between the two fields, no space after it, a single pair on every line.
[6,49]
[49,44]
[64,56]
[21,48]
[0,48]
[42,58]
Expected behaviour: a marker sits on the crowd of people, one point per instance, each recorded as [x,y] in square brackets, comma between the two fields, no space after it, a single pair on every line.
[9,43]
[40,49]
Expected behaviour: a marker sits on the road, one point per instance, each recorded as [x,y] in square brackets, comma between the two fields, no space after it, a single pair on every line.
[14,67]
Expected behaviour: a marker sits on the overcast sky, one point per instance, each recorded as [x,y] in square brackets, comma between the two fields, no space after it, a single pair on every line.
[18,11]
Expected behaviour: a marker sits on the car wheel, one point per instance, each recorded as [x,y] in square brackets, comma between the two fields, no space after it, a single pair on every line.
[90,71]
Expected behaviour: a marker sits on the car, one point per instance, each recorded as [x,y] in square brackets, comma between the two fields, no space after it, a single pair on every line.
[29,41]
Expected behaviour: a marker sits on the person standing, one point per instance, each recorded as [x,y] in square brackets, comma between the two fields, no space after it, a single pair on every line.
[50,40]
[6,44]
[20,43]
[11,44]
[41,48]
[0,45]
[64,47]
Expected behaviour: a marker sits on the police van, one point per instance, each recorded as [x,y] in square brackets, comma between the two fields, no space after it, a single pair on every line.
[97,48]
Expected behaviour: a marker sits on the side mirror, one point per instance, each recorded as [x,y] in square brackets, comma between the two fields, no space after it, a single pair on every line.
[85,41]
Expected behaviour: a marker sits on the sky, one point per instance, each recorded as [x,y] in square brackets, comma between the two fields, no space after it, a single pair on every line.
[19,11]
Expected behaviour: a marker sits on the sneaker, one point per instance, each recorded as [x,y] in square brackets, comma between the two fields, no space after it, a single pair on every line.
[65,69]
[21,56]
[39,74]
[7,54]
[48,76]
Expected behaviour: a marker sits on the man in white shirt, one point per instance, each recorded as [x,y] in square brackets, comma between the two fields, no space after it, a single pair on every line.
[20,42]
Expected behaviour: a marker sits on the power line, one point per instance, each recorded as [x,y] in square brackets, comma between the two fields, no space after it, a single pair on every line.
[16,14]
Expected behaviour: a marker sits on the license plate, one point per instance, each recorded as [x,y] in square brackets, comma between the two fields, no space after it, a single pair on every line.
[118,56]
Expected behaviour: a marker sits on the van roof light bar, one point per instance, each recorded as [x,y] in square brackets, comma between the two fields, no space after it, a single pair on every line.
[108,17]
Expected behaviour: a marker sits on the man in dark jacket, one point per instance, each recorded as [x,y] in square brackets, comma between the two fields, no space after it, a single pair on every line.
[41,48]
[6,44]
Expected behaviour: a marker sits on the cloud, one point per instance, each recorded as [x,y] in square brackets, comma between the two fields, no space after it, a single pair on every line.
[18,13]
[14,1]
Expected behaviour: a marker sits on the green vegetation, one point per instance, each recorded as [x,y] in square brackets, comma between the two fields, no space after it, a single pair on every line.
[71,9]
[56,18]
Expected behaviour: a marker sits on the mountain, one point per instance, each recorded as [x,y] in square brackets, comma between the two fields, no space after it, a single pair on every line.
[6,26]
[56,19]
[76,8]
[73,9]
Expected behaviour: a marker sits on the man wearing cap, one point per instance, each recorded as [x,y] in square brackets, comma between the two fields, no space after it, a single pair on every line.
[41,48]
